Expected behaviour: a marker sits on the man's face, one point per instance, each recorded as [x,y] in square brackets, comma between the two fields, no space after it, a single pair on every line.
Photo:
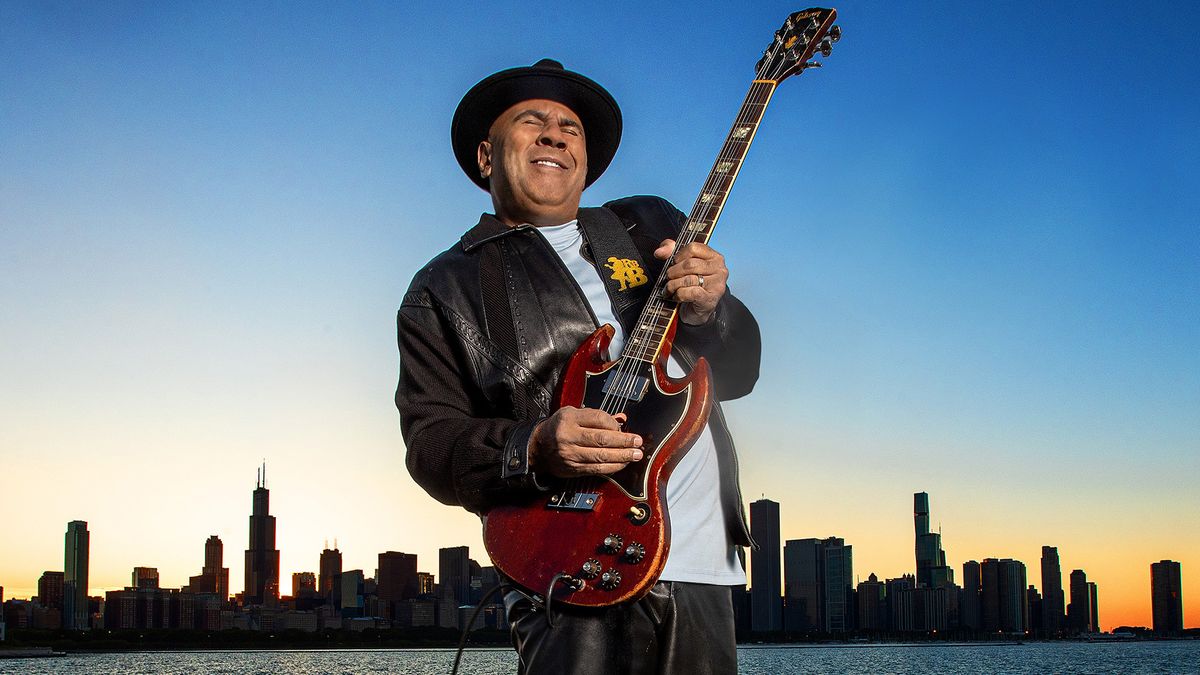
[536,160]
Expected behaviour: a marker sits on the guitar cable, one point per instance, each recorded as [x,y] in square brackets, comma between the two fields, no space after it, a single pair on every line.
[567,579]
[462,641]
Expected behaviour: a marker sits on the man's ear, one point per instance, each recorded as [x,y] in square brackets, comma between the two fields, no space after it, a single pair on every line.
[483,157]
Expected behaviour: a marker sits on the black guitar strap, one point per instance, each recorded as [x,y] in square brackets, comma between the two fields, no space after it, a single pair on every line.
[608,246]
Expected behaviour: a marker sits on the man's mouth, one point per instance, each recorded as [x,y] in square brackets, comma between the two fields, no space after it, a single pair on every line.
[549,162]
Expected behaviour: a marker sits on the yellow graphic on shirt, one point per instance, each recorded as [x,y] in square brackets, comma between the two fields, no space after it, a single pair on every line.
[627,271]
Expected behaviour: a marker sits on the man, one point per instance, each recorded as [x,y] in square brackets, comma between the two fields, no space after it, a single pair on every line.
[487,326]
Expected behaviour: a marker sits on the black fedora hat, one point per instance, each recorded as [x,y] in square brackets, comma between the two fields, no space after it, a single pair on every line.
[547,79]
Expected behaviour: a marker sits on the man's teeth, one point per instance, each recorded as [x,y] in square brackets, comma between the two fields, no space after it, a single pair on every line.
[545,162]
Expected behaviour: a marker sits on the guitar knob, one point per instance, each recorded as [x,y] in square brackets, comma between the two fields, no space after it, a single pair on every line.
[634,552]
[835,32]
[612,543]
[590,569]
[610,580]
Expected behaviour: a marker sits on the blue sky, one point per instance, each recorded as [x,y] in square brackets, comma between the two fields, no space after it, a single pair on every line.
[972,240]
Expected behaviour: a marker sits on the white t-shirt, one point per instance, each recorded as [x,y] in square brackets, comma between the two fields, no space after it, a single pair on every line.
[700,548]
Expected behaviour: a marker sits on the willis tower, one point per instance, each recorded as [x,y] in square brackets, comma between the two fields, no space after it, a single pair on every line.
[262,558]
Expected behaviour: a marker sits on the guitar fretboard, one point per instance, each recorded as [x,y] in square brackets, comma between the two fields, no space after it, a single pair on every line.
[649,335]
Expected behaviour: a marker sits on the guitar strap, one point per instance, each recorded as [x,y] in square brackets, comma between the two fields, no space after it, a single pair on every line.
[610,249]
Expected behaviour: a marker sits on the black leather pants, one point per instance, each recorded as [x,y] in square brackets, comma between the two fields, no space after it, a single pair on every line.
[676,629]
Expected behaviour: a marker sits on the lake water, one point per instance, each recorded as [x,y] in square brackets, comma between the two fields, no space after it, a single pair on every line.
[1056,657]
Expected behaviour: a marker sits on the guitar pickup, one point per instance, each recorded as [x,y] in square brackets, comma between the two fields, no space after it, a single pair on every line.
[627,386]
[574,501]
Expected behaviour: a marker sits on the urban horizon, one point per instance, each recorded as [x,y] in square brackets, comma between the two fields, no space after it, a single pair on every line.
[929,556]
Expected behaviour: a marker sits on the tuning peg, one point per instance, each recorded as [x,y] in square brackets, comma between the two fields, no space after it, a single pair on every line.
[826,47]
[812,64]
[835,33]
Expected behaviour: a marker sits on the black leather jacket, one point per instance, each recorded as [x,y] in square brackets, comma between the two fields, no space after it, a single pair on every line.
[484,331]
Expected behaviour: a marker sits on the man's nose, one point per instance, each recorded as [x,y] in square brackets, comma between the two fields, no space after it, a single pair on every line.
[552,136]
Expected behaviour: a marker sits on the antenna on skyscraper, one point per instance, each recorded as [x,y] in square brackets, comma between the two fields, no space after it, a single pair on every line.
[257,479]
[264,472]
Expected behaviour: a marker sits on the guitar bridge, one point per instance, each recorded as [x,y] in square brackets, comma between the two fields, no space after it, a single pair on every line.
[625,385]
[574,501]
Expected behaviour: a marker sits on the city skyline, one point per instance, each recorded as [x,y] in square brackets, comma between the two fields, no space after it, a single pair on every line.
[808,561]
[969,241]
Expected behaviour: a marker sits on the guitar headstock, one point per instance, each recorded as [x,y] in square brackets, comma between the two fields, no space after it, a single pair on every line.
[804,34]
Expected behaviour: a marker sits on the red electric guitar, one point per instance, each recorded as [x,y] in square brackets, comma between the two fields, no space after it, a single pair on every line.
[601,540]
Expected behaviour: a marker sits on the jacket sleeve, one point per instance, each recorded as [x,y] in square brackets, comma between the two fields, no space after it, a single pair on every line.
[457,452]
[730,341]
[732,345]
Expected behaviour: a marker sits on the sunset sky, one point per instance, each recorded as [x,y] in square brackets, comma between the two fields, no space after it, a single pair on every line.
[972,241]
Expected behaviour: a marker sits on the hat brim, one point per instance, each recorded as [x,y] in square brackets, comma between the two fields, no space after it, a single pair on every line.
[479,108]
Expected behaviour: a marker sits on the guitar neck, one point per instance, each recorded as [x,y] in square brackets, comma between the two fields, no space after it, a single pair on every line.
[803,34]
[648,338]
[708,206]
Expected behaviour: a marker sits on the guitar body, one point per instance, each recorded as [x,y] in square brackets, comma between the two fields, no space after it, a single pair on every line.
[559,532]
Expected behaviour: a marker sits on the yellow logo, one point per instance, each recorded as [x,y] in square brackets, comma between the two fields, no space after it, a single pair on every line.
[626,271]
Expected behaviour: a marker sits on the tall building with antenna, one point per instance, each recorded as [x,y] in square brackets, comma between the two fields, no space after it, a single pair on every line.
[262,558]
[328,583]
[932,571]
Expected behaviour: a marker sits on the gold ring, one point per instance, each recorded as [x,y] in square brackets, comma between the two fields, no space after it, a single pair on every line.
[700,283]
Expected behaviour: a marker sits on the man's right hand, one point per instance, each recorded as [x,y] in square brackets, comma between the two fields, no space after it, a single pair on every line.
[582,442]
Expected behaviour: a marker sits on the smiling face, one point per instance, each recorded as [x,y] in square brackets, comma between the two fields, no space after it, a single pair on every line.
[535,159]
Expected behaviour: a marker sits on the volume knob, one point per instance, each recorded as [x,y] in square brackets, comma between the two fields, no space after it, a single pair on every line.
[612,543]
[634,552]
[590,569]
[610,580]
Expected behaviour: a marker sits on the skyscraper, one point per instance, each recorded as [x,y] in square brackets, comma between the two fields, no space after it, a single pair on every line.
[969,614]
[50,590]
[75,576]
[1004,605]
[1079,612]
[932,571]
[214,577]
[331,571]
[1052,592]
[819,585]
[766,605]
[397,577]
[802,584]
[303,583]
[1094,604]
[214,566]
[144,577]
[837,589]
[454,573]
[262,558]
[1166,597]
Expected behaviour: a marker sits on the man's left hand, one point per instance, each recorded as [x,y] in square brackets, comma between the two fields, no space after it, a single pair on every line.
[696,280]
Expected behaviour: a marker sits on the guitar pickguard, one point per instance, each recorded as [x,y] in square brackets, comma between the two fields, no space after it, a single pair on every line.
[654,417]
